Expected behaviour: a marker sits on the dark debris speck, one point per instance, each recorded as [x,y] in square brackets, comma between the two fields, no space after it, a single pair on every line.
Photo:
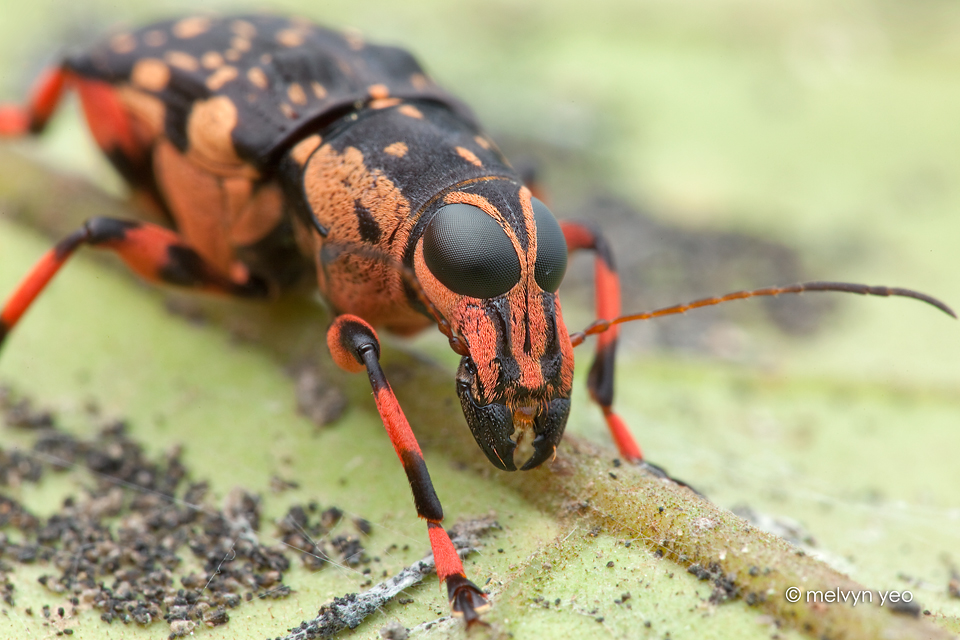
[118,543]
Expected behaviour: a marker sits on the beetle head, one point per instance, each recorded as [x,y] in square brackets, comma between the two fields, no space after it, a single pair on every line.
[491,259]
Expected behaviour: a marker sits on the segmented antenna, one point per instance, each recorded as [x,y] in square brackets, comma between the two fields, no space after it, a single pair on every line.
[847,287]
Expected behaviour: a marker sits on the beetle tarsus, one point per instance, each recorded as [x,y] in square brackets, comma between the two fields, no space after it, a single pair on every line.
[660,472]
[355,347]
[466,599]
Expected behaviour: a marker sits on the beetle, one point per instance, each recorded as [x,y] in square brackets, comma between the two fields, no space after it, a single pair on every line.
[269,150]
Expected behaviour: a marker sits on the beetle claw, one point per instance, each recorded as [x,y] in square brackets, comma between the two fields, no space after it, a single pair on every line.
[660,472]
[466,599]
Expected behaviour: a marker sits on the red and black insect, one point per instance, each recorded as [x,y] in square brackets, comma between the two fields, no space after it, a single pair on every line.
[269,150]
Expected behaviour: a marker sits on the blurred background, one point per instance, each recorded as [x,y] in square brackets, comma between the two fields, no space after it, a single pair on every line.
[723,144]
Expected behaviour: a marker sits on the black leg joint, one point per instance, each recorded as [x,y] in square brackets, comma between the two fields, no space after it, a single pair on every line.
[360,341]
[99,230]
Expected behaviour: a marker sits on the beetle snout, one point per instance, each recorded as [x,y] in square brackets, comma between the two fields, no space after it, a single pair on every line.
[498,429]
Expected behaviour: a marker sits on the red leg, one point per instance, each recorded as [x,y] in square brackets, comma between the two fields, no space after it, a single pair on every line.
[607,285]
[355,347]
[154,253]
[16,120]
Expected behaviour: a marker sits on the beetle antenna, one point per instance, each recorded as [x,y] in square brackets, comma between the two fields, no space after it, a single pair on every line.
[409,278]
[600,326]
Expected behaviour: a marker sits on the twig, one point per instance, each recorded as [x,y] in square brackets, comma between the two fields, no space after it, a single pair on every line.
[351,610]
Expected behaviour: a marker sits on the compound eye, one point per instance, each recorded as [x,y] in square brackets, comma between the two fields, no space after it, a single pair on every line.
[467,251]
[551,249]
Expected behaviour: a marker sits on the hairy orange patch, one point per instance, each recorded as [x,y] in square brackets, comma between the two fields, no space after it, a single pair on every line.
[336,185]
[469,156]
[397,149]
[302,151]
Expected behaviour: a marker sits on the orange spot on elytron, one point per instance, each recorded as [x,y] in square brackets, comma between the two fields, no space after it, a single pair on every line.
[410,111]
[123,43]
[181,60]
[155,38]
[469,156]
[483,142]
[150,74]
[302,151]
[232,55]
[258,78]
[288,111]
[243,29]
[383,103]
[211,60]
[290,37]
[191,27]
[220,77]
[240,44]
[318,90]
[378,91]
[209,128]
[419,81]
[397,149]
[296,94]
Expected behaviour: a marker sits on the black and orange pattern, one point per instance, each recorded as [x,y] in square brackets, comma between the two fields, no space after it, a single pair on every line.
[269,150]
